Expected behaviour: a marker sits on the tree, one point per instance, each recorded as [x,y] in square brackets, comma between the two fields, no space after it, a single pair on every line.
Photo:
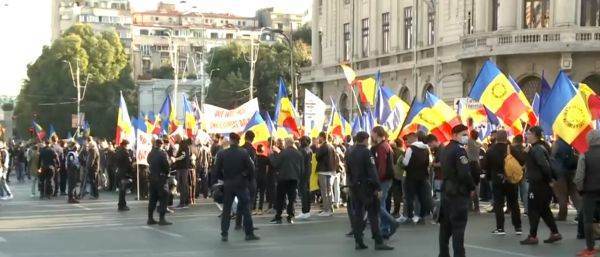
[304,34]
[48,94]
[230,83]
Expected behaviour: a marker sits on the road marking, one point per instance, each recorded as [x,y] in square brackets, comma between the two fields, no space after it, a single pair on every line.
[163,232]
[219,206]
[499,251]
[82,207]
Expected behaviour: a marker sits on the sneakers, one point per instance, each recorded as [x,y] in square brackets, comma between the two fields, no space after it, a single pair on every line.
[587,253]
[383,247]
[303,216]
[416,219]
[10,197]
[553,238]
[499,232]
[530,241]
[518,231]
[325,214]
[401,219]
[290,220]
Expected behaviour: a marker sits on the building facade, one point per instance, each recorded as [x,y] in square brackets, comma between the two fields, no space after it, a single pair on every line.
[278,19]
[102,15]
[440,45]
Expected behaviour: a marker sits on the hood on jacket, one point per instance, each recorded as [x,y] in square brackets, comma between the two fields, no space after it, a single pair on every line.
[420,144]
[594,137]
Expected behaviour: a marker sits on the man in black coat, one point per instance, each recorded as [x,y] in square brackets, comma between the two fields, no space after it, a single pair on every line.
[365,192]
[158,162]
[124,162]
[304,180]
[457,189]
[248,138]
[48,165]
[234,166]
[289,163]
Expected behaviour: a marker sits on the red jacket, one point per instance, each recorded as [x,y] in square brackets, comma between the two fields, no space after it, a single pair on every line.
[383,153]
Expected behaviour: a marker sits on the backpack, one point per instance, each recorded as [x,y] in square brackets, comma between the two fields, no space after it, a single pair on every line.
[512,168]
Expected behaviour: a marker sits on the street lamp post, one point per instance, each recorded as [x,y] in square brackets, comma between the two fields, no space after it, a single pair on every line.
[292,76]
[75,78]
[254,47]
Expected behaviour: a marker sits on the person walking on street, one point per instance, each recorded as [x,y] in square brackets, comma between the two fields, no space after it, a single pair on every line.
[564,163]
[539,175]
[233,166]
[5,192]
[365,192]
[248,138]
[158,162]
[326,167]
[124,163]
[72,164]
[290,164]
[382,152]
[48,163]
[182,162]
[33,160]
[92,165]
[416,162]
[304,180]
[503,190]
[457,189]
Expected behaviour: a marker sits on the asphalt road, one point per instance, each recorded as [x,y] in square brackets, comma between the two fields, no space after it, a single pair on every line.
[31,227]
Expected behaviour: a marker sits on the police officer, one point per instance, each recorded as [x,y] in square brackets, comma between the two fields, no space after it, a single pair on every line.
[124,172]
[158,162]
[47,163]
[72,166]
[234,167]
[365,192]
[456,190]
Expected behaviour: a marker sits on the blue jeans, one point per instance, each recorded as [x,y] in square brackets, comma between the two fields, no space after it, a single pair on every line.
[386,218]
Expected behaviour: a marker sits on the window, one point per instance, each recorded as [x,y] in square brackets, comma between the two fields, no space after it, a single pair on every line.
[205,20]
[346,1]
[155,18]
[347,41]
[537,13]
[214,35]
[494,15]
[590,13]
[430,26]
[280,26]
[469,24]
[319,53]
[320,7]
[365,37]
[408,29]
[145,50]
[229,36]
[385,31]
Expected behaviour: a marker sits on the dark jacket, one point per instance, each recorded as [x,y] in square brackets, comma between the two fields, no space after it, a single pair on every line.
[591,183]
[234,166]
[184,150]
[363,177]
[326,158]
[418,165]
[495,162]
[458,181]
[538,164]
[48,158]
[384,162]
[158,162]
[289,164]
[124,162]
[307,156]
[250,149]
[92,161]
[563,159]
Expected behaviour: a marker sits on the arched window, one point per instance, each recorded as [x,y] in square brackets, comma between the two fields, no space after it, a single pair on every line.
[404,94]
[593,81]
[530,85]
[343,105]
[428,88]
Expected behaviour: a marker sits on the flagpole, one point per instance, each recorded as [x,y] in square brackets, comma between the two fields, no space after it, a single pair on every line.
[355,99]
[408,113]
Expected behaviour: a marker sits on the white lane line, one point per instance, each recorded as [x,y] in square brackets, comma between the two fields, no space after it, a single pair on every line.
[219,206]
[508,253]
[163,232]
[2,240]
[82,207]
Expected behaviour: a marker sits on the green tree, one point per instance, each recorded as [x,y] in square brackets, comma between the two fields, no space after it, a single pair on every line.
[304,34]
[48,94]
[230,83]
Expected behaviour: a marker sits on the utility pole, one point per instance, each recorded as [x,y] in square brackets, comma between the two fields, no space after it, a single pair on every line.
[75,78]
[173,52]
[254,47]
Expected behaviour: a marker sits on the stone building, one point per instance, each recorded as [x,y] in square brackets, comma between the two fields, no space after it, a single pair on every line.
[440,45]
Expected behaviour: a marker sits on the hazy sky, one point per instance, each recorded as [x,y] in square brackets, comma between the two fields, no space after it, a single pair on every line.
[26,28]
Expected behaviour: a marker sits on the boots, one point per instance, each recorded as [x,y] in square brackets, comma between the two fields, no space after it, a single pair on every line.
[163,222]
[151,221]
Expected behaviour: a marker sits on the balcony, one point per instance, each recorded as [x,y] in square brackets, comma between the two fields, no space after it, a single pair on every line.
[573,39]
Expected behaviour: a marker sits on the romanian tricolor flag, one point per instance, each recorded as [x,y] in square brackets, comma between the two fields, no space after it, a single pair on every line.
[149,120]
[124,127]
[338,126]
[529,117]
[168,116]
[51,132]
[39,131]
[285,114]
[367,89]
[261,131]
[189,124]
[398,110]
[434,115]
[567,114]
[357,125]
[349,73]
[495,91]
[592,100]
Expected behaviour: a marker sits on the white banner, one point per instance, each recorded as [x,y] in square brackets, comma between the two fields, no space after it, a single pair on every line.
[314,112]
[219,121]
[143,147]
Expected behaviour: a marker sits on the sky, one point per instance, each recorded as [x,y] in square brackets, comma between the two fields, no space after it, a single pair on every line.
[27,25]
